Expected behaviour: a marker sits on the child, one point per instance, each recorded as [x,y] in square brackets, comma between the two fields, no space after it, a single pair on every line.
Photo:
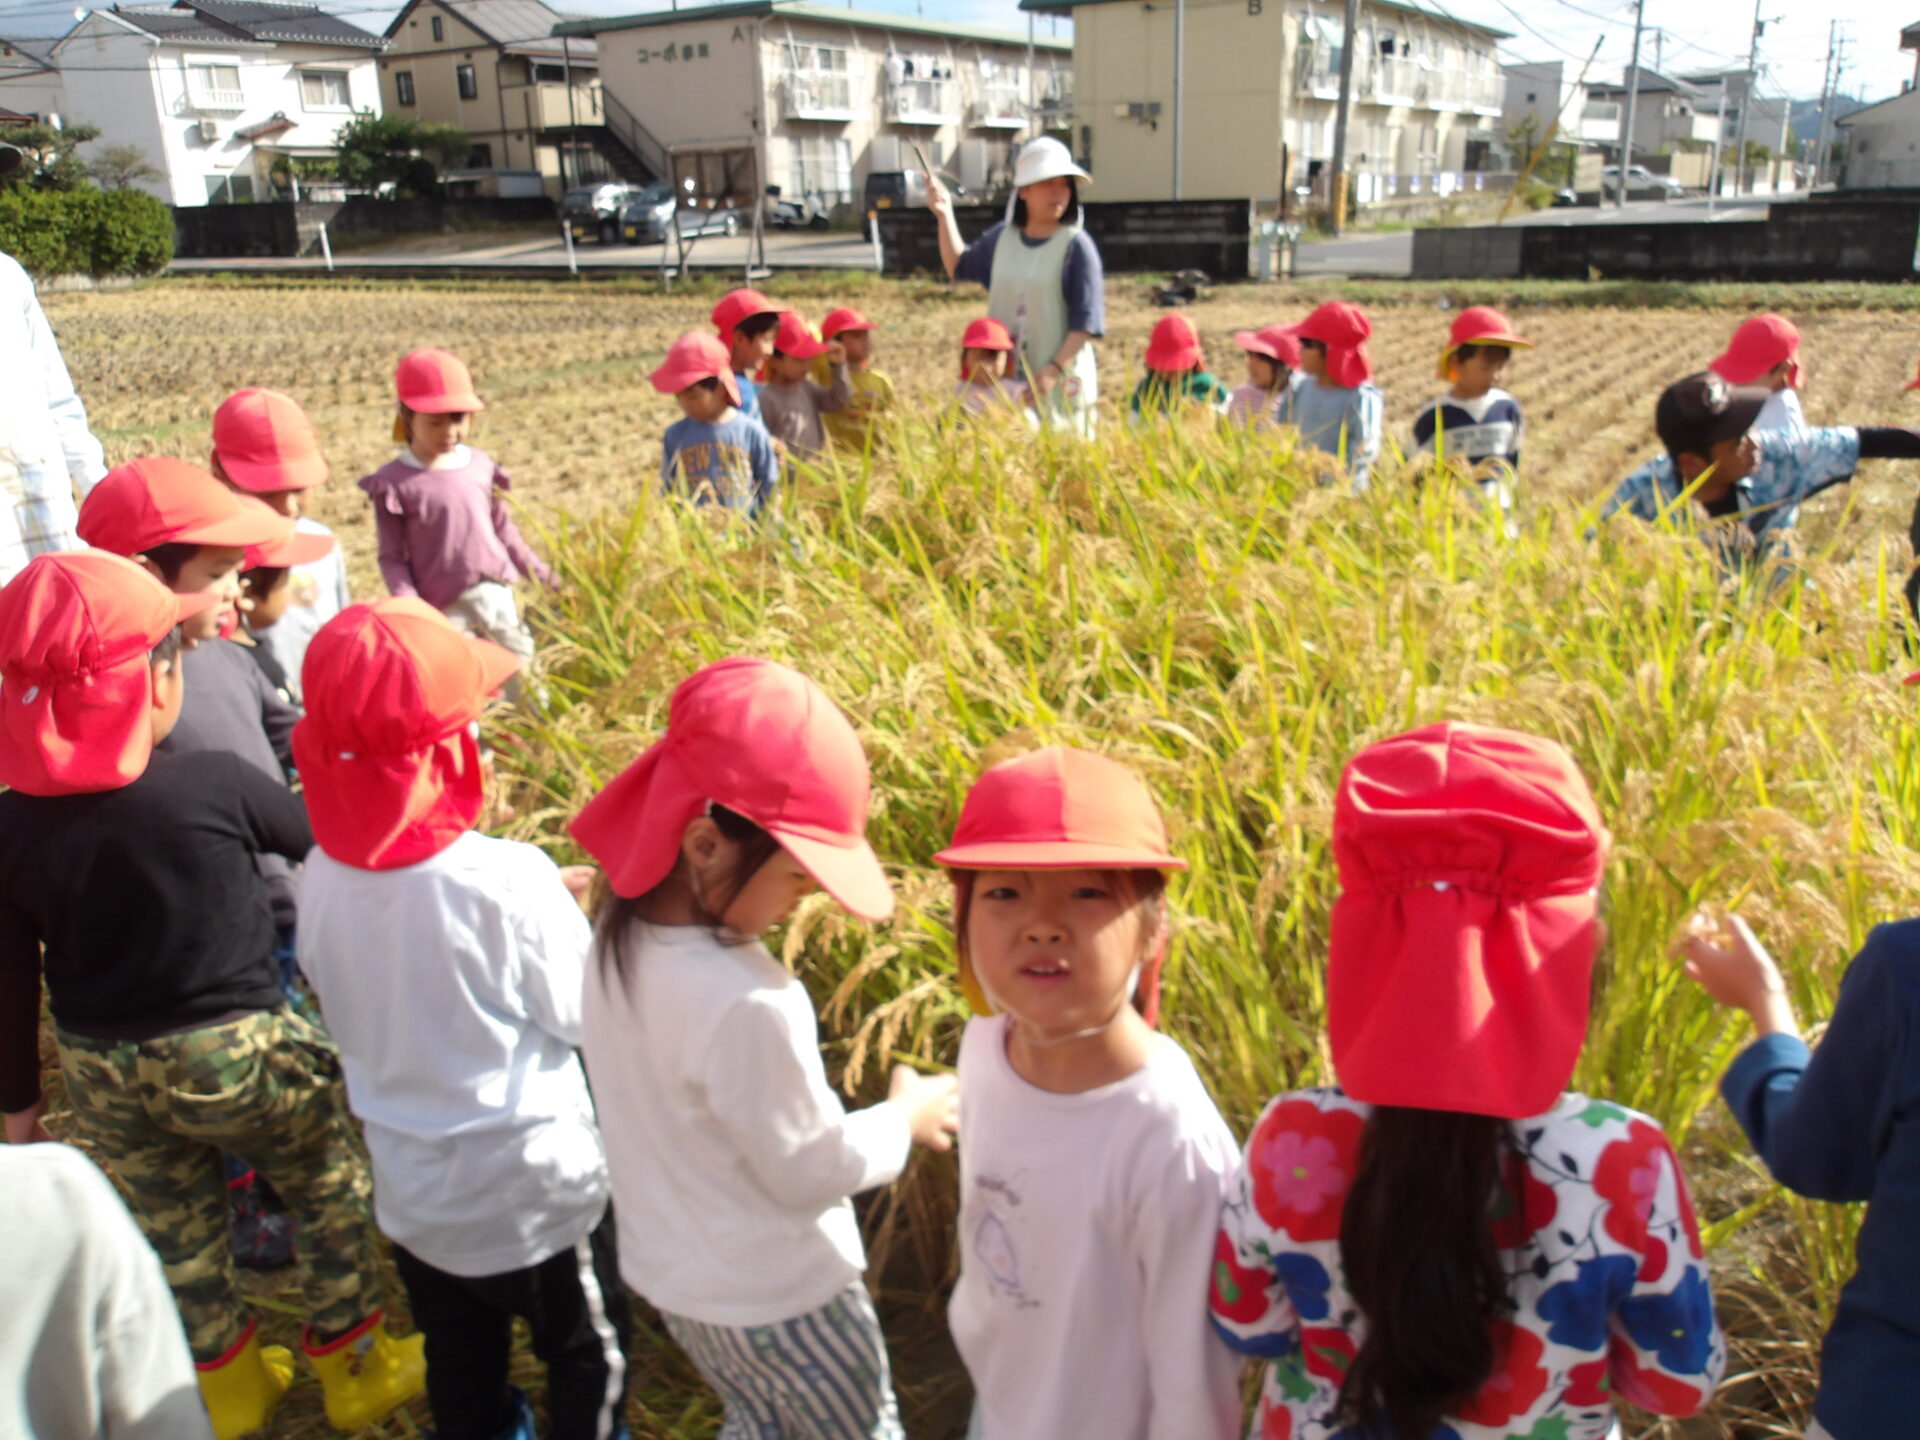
[1765,351]
[747,321]
[791,405]
[986,352]
[1476,421]
[173,1039]
[1833,1124]
[1759,480]
[1094,1161]
[264,446]
[450,965]
[1176,372]
[1448,1244]
[440,509]
[1338,407]
[1273,358]
[732,1160]
[853,428]
[715,454]
[266,587]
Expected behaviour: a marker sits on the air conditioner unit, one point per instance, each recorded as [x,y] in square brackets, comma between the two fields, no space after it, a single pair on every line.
[209,130]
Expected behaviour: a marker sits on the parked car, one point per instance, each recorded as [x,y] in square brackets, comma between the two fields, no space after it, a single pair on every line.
[1565,196]
[906,190]
[646,218]
[1641,178]
[596,209]
[646,222]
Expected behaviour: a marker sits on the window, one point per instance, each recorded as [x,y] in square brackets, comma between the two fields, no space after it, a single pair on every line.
[480,157]
[439,30]
[324,90]
[229,189]
[823,163]
[469,85]
[549,74]
[403,86]
[210,81]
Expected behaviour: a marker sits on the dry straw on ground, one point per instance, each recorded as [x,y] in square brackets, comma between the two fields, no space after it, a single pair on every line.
[1198,605]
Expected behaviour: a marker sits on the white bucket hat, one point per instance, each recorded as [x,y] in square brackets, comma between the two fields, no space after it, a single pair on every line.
[1044,159]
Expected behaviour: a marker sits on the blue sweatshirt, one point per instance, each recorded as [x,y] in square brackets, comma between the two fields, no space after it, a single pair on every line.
[1843,1124]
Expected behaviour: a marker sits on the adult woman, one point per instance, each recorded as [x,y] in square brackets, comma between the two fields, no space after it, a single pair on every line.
[1043,276]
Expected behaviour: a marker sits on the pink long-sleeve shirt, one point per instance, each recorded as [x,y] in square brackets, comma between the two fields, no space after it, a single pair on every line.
[442,532]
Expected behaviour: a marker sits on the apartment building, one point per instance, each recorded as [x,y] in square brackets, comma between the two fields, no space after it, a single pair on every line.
[813,98]
[530,102]
[1258,75]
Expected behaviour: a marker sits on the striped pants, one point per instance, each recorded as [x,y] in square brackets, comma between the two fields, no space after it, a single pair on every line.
[819,1376]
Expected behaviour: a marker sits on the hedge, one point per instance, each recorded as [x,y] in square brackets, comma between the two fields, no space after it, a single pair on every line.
[85,232]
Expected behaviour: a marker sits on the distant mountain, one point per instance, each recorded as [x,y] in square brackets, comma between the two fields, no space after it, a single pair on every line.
[1805,116]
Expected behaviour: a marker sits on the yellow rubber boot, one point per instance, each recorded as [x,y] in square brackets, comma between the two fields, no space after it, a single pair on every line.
[244,1385]
[366,1373]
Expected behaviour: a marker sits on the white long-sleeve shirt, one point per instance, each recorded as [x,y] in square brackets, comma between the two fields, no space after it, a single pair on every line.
[452,988]
[1087,1227]
[732,1159]
[1781,412]
[90,1342]
[46,449]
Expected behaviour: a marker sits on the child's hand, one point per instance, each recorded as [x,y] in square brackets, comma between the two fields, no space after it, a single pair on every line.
[836,353]
[932,1103]
[1738,971]
[579,881]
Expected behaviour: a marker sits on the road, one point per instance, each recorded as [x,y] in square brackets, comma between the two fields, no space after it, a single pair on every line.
[1391,255]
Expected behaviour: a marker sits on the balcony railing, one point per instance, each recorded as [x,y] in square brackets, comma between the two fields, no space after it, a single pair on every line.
[1399,82]
[1000,107]
[814,95]
[216,101]
[923,102]
[1601,111]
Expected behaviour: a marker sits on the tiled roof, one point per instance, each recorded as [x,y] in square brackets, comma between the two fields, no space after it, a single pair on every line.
[213,22]
[806,10]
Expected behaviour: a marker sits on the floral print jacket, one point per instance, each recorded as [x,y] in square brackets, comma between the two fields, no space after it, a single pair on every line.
[1602,1253]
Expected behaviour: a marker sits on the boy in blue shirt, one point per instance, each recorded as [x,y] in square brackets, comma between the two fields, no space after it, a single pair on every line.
[1476,421]
[1839,1123]
[716,455]
[1734,473]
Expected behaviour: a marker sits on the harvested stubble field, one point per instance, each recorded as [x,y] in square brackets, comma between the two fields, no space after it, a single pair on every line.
[1202,607]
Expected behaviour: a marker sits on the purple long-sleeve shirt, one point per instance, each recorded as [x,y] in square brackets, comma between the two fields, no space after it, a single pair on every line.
[444,531]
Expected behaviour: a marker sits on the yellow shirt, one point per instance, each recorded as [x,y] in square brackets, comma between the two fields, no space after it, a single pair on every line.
[872,396]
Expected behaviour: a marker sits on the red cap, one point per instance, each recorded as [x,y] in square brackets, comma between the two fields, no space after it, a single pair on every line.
[1344,330]
[1462,941]
[296,547]
[842,320]
[1276,342]
[435,382]
[76,689]
[1756,347]
[796,340]
[160,501]
[1478,325]
[386,753]
[765,742]
[264,442]
[1913,384]
[1174,344]
[692,358]
[1059,809]
[986,333]
[738,305]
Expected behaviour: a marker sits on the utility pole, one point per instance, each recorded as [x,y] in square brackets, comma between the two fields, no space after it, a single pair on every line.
[1827,80]
[1659,51]
[1719,149]
[1337,185]
[1179,67]
[1746,102]
[1633,98]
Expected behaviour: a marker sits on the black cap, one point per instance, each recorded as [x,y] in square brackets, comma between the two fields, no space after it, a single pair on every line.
[1696,413]
[11,157]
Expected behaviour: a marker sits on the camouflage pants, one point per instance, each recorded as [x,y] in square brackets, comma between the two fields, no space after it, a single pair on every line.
[266,1088]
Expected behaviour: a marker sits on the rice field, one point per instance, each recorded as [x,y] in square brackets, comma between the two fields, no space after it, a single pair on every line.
[1201,606]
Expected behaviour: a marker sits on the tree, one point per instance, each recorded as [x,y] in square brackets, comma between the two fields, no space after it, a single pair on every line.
[378,150]
[50,161]
[121,167]
[1556,162]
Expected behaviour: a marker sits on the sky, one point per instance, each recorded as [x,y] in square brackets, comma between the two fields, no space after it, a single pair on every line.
[1692,35]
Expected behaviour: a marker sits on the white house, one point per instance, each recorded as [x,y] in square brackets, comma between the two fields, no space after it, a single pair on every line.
[1883,144]
[30,87]
[218,92]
